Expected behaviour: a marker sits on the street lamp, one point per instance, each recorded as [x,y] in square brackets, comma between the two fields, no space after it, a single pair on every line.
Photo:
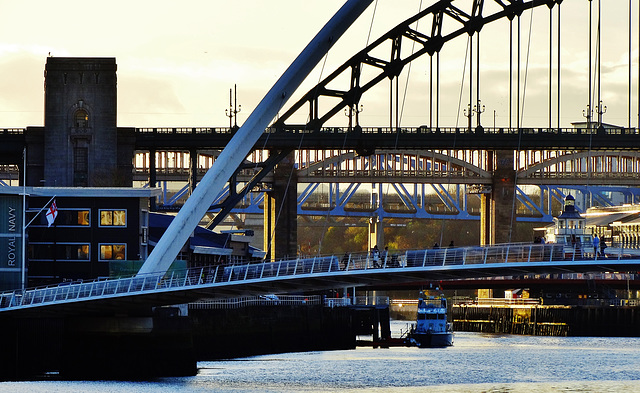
[234,108]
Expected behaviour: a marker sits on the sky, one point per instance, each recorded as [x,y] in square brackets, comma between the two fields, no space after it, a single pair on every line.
[177,61]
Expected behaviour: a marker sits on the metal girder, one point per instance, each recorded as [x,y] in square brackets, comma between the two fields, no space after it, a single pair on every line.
[440,12]
[455,204]
[235,196]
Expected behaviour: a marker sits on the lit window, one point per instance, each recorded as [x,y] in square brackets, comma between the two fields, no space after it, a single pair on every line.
[83,217]
[81,118]
[113,252]
[113,218]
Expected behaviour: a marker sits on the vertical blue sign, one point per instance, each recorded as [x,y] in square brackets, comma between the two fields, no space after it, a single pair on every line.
[10,242]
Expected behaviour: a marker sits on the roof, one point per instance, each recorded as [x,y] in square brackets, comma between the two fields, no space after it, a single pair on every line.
[111,192]
[635,220]
[608,219]
[202,241]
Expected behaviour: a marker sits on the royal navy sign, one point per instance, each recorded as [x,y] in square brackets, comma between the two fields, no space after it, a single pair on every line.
[10,241]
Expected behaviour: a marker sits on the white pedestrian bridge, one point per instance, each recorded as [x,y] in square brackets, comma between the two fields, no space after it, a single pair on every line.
[302,275]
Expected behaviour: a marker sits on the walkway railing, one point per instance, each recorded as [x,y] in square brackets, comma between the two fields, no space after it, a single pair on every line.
[265,300]
[226,275]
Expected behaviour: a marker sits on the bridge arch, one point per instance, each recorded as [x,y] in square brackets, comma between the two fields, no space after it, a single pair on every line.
[615,167]
[366,69]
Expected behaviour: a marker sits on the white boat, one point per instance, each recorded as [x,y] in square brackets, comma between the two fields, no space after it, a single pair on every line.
[431,328]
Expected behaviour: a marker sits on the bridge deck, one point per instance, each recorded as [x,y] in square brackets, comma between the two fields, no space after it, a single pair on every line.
[309,274]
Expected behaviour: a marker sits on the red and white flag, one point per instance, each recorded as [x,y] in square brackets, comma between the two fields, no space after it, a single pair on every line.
[52,213]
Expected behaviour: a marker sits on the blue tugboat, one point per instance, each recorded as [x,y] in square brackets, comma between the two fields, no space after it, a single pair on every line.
[431,328]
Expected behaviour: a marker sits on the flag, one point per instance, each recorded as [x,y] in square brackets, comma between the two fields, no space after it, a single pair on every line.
[52,213]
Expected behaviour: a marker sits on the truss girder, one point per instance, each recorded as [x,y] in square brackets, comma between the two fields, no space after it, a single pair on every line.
[454,204]
[235,196]
[441,14]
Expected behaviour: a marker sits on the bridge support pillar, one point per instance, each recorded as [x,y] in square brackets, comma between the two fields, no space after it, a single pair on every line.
[376,233]
[497,216]
[153,177]
[281,212]
[193,169]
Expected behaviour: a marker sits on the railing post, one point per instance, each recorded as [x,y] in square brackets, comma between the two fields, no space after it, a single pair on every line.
[529,257]
[278,271]
[215,275]
[506,257]
[101,292]
[424,257]
[464,256]
[346,269]
[313,264]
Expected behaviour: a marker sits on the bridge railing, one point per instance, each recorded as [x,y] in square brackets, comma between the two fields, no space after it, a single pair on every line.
[301,129]
[354,262]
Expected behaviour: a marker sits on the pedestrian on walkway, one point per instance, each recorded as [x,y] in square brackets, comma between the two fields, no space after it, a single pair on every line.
[596,245]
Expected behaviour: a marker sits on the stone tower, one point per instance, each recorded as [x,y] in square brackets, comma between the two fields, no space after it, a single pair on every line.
[80,129]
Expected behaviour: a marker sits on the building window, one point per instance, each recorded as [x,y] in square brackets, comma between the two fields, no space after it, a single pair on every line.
[113,218]
[65,218]
[109,252]
[73,218]
[81,119]
[59,252]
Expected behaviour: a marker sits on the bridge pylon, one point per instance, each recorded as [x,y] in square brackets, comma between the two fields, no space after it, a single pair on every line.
[281,211]
[497,211]
[376,233]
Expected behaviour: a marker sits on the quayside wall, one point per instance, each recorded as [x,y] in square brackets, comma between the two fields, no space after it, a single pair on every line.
[540,320]
[257,330]
[169,341]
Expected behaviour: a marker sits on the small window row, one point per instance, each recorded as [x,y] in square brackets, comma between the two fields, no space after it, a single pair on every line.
[75,252]
[116,218]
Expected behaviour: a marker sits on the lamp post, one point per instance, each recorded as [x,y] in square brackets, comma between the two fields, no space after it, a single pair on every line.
[479,109]
[349,113]
[468,113]
[587,114]
[234,108]
[600,110]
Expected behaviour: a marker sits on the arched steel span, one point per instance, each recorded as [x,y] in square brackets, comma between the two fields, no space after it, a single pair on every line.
[534,167]
[430,172]
[439,14]
[580,167]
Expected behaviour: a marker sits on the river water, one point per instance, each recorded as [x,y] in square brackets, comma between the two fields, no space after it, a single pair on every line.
[476,363]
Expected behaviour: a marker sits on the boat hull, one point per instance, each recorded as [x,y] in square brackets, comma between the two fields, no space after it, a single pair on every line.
[432,340]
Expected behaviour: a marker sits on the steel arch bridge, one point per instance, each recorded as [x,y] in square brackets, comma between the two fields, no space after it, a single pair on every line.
[433,184]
